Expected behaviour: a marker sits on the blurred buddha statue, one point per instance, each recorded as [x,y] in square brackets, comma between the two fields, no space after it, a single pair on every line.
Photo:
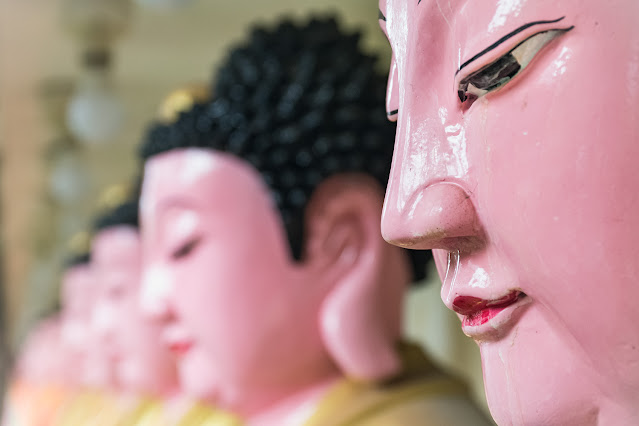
[144,368]
[39,385]
[144,371]
[93,378]
[77,299]
[262,253]
[516,162]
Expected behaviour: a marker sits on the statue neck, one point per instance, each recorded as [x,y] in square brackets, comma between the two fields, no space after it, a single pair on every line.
[295,409]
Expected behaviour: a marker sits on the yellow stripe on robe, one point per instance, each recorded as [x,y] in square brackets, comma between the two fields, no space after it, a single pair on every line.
[202,415]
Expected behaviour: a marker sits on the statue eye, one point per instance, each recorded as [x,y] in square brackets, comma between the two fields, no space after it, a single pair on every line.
[186,248]
[498,73]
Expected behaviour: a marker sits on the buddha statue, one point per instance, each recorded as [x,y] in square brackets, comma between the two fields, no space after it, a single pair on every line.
[146,390]
[92,381]
[262,255]
[39,385]
[502,168]
[144,370]
[77,297]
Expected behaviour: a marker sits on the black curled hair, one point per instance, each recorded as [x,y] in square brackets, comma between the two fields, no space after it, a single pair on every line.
[300,103]
[126,214]
[77,260]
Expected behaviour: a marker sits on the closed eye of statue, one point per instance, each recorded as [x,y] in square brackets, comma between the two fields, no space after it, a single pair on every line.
[186,248]
[499,72]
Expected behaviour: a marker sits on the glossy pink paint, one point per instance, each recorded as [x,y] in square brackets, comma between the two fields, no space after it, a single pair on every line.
[531,188]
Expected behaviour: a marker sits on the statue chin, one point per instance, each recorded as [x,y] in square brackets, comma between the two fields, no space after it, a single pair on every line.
[197,377]
[521,387]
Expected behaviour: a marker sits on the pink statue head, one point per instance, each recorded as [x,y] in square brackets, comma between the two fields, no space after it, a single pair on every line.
[262,250]
[142,363]
[515,160]
[43,359]
[77,297]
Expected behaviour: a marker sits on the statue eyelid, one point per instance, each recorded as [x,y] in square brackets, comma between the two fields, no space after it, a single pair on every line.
[500,71]
[186,248]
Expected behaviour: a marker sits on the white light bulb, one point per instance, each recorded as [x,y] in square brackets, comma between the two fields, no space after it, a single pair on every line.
[164,4]
[95,115]
[69,179]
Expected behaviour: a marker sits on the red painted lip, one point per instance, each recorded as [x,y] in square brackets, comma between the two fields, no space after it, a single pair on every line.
[478,311]
[180,348]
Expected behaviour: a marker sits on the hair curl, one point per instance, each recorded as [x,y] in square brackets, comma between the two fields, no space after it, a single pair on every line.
[126,214]
[77,260]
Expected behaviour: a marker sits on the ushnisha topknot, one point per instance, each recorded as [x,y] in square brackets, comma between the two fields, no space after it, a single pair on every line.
[300,103]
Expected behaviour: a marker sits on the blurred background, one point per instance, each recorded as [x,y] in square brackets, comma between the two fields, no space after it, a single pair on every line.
[79,81]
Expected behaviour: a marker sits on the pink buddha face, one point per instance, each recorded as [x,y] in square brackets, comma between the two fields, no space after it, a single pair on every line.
[515,160]
[79,293]
[240,314]
[133,342]
[77,299]
[43,358]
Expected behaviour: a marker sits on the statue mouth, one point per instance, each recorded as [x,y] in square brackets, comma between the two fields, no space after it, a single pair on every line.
[485,318]
[177,339]
[180,348]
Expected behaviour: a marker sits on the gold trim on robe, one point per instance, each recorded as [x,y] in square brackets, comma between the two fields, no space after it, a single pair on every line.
[148,412]
[203,415]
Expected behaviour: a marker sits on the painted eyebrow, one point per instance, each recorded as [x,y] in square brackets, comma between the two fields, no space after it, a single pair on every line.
[380,15]
[503,39]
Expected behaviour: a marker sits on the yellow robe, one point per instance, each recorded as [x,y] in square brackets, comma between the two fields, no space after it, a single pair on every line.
[90,408]
[148,412]
[202,415]
[421,395]
[153,412]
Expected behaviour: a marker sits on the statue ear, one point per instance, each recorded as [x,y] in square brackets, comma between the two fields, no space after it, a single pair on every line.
[360,318]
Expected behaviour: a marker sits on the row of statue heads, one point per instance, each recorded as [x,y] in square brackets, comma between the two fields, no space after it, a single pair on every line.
[256,257]
[246,271]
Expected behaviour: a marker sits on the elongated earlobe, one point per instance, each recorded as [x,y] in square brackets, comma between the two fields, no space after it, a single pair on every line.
[357,333]
[360,317]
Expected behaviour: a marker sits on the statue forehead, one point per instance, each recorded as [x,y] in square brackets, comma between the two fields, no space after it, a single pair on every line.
[494,14]
[181,167]
[116,237]
[199,174]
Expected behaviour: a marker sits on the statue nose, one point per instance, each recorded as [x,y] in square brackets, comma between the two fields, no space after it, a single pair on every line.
[440,216]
